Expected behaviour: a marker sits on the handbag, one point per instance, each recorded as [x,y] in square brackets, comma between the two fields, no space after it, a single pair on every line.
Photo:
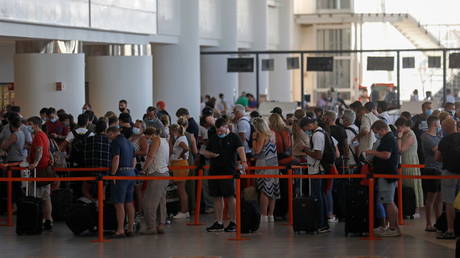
[45,173]
[457,202]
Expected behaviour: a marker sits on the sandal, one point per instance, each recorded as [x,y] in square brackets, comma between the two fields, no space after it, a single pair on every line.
[430,229]
[118,236]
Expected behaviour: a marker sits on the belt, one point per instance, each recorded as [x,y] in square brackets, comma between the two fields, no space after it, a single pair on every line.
[125,168]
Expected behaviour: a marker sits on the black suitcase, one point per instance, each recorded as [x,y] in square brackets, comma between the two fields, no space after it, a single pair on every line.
[29,213]
[306,212]
[250,216]
[357,209]
[281,206]
[340,201]
[82,217]
[61,200]
[409,202]
[110,217]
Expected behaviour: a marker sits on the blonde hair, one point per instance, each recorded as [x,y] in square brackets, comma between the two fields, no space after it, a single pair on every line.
[276,123]
[443,116]
[177,128]
[261,126]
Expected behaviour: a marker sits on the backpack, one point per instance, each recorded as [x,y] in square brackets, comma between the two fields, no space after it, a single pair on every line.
[76,151]
[328,158]
[251,132]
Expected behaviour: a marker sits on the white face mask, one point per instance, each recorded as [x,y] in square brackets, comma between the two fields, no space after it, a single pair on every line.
[136,131]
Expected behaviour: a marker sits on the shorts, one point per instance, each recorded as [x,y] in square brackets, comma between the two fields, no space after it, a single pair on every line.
[43,192]
[221,188]
[122,191]
[431,185]
[449,187]
[179,172]
[386,191]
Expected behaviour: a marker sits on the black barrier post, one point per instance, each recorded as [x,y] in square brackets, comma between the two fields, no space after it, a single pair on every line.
[444,76]
[398,73]
[257,80]
[302,100]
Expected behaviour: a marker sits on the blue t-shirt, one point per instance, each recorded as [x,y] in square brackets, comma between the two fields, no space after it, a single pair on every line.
[125,149]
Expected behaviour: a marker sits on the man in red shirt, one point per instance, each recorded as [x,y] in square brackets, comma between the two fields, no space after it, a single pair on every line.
[40,158]
[55,128]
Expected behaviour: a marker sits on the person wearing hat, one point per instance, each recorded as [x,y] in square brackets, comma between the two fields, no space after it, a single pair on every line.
[314,154]
[161,106]
[277,110]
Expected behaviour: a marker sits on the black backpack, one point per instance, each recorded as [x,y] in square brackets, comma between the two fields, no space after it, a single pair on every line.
[76,151]
[328,158]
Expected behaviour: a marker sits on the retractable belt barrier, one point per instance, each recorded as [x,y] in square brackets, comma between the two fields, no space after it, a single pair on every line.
[200,177]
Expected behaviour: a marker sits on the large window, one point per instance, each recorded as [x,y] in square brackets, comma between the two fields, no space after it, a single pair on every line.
[333,4]
[335,39]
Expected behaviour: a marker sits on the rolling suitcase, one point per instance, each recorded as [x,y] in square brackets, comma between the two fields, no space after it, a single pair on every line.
[61,200]
[357,209]
[29,213]
[306,211]
[250,216]
[81,217]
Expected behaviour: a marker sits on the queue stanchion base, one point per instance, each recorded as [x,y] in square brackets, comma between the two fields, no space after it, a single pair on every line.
[238,239]
[370,238]
[101,241]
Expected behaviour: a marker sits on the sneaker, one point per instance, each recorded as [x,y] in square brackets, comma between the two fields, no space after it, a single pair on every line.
[333,219]
[324,230]
[216,227]
[379,230]
[182,215]
[48,225]
[447,236]
[231,227]
[390,233]
[263,218]
[417,216]
[271,219]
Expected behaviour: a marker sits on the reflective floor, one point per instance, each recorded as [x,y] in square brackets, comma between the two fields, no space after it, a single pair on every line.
[272,240]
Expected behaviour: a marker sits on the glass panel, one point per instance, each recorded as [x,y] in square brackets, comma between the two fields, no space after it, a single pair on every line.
[338,78]
[333,4]
[333,39]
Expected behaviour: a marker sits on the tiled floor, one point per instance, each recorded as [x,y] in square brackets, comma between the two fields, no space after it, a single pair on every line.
[186,241]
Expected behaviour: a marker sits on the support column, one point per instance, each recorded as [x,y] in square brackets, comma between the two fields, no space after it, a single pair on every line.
[112,78]
[215,79]
[176,67]
[259,14]
[280,88]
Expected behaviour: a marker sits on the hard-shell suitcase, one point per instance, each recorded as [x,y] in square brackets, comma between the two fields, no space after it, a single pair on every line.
[29,213]
[306,211]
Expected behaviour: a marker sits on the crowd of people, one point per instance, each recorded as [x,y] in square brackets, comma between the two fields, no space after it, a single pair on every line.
[228,138]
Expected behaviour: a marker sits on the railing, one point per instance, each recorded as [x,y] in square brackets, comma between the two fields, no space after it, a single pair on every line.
[200,177]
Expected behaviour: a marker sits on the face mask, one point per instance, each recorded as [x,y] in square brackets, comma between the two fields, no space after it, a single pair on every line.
[222,135]
[309,133]
[53,120]
[428,112]
[30,129]
[377,136]
[136,131]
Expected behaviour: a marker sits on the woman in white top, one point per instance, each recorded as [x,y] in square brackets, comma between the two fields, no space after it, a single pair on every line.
[179,150]
[141,147]
[156,164]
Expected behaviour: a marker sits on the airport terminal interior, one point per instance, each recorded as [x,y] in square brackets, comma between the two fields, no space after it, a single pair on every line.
[283,90]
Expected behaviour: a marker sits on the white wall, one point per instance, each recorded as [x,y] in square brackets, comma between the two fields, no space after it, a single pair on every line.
[112,78]
[7,52]
[135,16]
[244,26]
[169,17]
[35,82]
[210,19]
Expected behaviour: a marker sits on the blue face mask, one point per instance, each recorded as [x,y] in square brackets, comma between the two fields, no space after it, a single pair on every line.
[222,135]
[377,136]
[309,133]
[30,129]
[428,112]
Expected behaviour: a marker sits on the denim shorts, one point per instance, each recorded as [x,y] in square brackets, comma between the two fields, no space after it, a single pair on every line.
[123,190]
[386,191]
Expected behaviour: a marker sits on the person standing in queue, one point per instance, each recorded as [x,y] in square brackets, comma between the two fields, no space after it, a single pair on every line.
[222,150]
[123,161]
